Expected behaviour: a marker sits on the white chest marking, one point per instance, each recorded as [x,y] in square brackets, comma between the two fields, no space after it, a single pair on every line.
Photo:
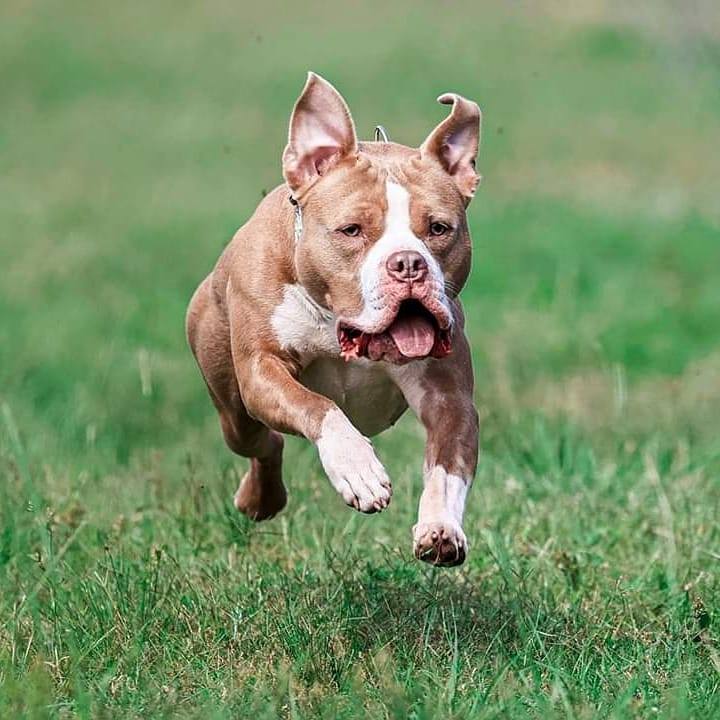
[302,325]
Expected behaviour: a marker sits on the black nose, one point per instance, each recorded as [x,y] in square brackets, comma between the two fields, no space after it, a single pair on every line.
[406,266]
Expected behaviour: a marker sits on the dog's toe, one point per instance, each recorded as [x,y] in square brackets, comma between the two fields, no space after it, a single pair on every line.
[440,543]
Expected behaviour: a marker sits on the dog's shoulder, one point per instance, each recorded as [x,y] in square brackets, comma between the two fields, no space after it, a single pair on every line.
[258,262]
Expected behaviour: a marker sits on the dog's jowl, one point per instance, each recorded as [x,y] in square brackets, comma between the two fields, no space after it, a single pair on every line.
[335,307]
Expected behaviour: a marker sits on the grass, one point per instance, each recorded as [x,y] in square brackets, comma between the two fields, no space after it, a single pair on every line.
[133,141]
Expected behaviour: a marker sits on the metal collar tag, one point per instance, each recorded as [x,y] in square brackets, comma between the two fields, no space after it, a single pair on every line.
[381,134]
[298,223]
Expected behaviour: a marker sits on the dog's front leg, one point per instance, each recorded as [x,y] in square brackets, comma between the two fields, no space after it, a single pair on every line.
[273,396]
[440,392]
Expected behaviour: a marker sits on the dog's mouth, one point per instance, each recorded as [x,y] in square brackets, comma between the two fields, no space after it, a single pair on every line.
[413,334]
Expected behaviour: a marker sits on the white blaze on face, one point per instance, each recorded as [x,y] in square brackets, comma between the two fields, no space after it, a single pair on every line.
[397,236]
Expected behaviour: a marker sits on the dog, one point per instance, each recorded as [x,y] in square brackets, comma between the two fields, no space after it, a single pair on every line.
[335,308]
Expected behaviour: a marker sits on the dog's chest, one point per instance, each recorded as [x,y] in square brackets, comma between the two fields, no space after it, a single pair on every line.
[300,324]
[362,389]
[364,392]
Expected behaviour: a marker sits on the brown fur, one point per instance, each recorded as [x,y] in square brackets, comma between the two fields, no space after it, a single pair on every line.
[253,381]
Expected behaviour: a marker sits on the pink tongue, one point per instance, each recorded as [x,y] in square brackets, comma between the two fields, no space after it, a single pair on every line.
[413,336]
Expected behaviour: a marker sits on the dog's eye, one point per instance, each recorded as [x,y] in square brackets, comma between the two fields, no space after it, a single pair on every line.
[352,230]
[438,228]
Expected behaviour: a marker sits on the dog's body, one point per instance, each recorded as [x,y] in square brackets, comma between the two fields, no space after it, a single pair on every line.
[329,316]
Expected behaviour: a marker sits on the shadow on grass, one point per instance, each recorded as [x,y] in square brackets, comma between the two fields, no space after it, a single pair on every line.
[398,610]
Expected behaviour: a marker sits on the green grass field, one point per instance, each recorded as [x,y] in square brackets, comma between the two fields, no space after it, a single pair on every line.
[134,140]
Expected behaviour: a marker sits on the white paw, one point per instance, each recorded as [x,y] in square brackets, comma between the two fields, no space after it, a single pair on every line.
[442,542]
[351,464]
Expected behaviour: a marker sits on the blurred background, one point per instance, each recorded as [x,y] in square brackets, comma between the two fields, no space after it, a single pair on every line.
[135,142]
[135,139]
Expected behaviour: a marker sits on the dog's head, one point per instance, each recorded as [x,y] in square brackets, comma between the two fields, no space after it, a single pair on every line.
[384,241]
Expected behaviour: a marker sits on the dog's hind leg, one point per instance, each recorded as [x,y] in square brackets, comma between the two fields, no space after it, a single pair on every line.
[261,493]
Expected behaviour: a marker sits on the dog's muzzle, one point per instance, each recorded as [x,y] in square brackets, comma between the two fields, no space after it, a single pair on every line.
[413,333]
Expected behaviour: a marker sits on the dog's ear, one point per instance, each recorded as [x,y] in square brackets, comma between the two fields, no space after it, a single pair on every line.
[454,143]
[321,133]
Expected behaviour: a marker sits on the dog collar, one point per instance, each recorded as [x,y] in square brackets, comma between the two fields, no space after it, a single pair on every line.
[298,224]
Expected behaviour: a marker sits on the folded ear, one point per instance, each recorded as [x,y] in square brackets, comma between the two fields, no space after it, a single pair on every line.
[321,133]
[454,142]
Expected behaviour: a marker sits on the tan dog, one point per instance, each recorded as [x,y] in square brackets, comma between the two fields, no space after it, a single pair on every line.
[335,307]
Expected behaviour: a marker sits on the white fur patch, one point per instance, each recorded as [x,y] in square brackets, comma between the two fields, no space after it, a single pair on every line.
[443,497]
[351,464]
[302,325]
[397,236]
[438,534]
